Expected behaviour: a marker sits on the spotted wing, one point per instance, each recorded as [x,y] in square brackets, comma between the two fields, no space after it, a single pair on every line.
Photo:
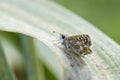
[79,44]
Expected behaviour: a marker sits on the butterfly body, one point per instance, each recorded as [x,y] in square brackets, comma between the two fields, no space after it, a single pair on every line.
[78,44]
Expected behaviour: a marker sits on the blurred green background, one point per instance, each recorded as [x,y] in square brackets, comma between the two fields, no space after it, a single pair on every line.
[104,14]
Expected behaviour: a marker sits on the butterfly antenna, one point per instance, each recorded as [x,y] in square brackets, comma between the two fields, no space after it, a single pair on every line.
[62,36]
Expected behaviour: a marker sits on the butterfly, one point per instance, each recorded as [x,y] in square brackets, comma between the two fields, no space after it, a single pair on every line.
[78,44]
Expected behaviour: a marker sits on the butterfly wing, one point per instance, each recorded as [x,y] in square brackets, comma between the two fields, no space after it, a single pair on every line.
[79,44]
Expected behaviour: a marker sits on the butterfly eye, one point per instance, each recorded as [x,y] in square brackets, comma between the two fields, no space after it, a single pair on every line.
[62,36]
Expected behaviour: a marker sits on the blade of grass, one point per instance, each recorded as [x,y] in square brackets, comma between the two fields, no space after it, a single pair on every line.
[5,72]
[49,59]
[31,60]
